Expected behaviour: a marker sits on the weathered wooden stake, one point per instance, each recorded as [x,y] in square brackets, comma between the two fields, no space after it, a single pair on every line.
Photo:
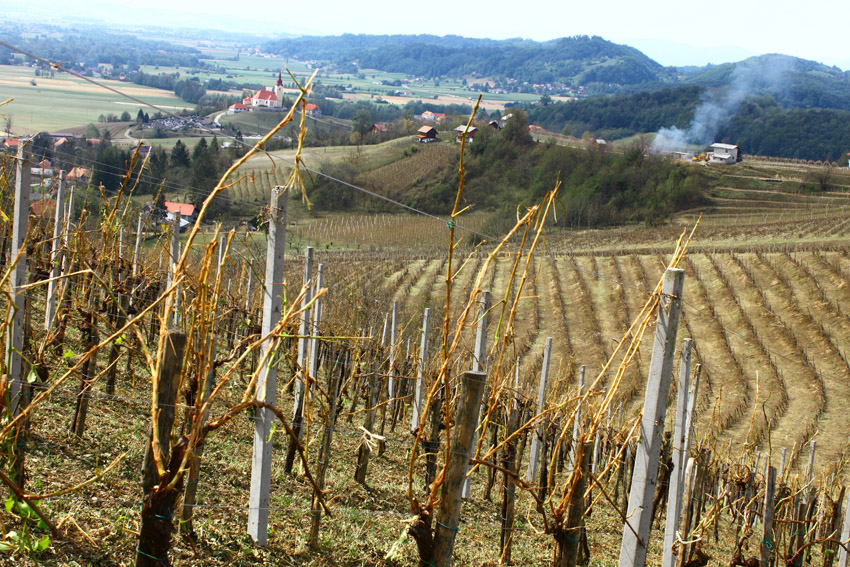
[479,358]
[768,543]
[674,492]
[537,436]
[645,476]
[845,534]
[301,371]
[266,391]
[137,249]
[448,514]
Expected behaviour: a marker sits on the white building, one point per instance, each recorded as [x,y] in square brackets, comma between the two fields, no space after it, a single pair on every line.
[723,153]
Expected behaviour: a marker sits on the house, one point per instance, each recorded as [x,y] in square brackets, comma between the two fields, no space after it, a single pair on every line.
[469,135]
[379,128]
[80,174]
[238,107]
[313,110]
[535,129]
[11,144]
[43,208]
[427,134]
[723,153]
[432,116]
[496,124]
[187,211]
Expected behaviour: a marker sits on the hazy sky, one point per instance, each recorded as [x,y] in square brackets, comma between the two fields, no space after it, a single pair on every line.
[672,32]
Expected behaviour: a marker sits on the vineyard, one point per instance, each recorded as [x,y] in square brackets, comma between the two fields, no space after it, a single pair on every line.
[387,389]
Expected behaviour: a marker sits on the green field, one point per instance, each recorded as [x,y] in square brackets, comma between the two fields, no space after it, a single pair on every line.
[66,101]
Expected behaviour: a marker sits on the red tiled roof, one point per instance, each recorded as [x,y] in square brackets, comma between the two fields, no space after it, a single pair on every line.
[311,106]
[239,106]
[185,209]
[265,95]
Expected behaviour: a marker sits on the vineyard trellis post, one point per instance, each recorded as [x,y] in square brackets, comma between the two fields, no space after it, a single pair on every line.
[645,476]
[674,498]
[479,359]
[845,535]
[301,370]
[537,435]
[693,393]
[266,389]
[313,356]
[420,372]
[576,420]
[15,326]
[55,253]
[448,514]
[767,541]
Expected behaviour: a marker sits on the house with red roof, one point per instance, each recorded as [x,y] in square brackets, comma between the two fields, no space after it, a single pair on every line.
[432,116]
[313,110]
[238,107]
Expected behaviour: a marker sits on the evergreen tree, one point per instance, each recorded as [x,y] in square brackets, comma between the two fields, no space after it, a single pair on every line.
[179,155]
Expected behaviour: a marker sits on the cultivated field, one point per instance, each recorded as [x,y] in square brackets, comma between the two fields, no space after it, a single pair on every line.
[54,104]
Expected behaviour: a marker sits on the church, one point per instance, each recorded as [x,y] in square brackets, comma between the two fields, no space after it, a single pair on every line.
[267,97]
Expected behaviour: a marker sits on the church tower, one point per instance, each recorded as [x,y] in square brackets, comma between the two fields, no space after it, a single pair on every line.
[278,88]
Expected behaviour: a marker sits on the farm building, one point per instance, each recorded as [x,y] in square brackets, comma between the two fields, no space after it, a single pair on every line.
[238,107]
[469,135]
[723,153]
[80,174]
[427,134]
[432,116]
[379,128]
[313,110]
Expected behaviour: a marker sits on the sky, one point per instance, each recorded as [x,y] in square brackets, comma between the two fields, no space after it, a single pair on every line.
[671,32]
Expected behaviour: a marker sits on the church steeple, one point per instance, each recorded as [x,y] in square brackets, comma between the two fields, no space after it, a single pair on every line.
[279,80]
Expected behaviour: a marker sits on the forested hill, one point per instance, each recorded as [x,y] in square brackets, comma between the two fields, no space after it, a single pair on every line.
[572,61]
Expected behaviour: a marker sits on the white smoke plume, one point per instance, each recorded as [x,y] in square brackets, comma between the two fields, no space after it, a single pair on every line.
[756,75]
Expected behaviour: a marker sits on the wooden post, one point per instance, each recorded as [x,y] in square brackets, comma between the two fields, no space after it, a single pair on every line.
[266,390]
[645,476]
[674,493]
[448,514]
[845,535]
[690,478]
[420,372]
[768,543]
[18,277]
[693,393]
[510,461]
[479,358]
[55,254]
[577,420]
[301,371]
[313,364]
[783,456]
[537,436]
